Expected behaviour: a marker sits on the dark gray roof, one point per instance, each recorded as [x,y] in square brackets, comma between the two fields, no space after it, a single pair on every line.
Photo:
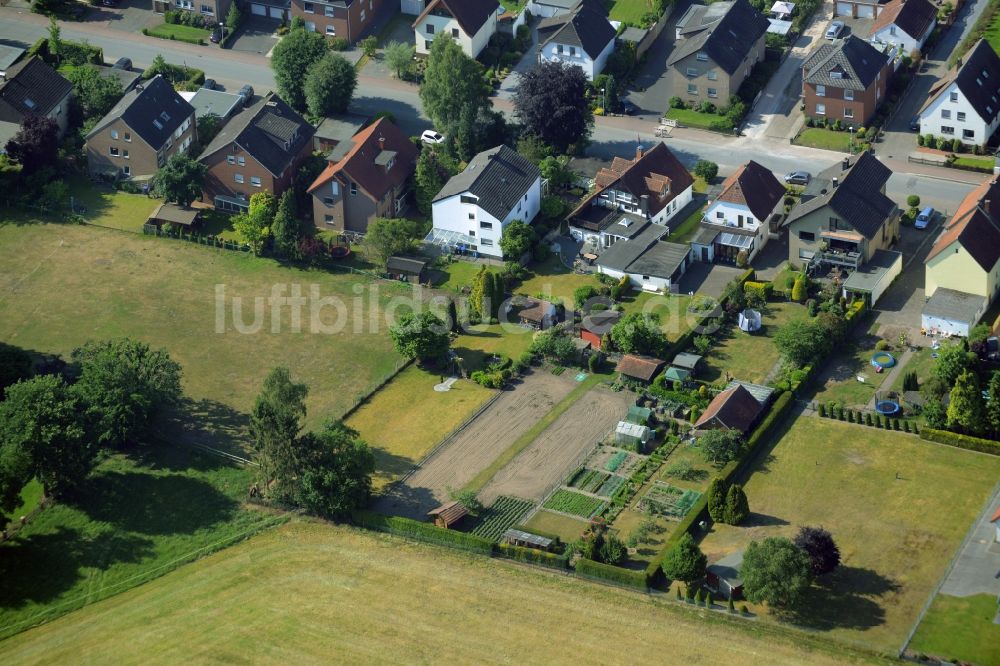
[620,256]
[126,77]
[983,92]
[31,86]
[470,14]
[851,64]
[217,102]
[913,17]
[728,568]
[954,305]
[866,278]
[759,391]
[270,131]
[341,127]
[152,109]
[584,27]
[9,55]
[499,177]
[726,31]
[858,197]
[661,260]
[405,265]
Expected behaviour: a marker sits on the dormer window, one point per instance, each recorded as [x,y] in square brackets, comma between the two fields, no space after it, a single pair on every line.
[835,74]
[28,102]
[979,81]
[702,56]
[985,74]
[157,124]
[165,116]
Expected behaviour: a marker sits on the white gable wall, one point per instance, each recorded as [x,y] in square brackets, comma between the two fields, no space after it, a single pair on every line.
[896,36]
[443,25]
[675,206]
[575,55]
[452,214]
[932,120]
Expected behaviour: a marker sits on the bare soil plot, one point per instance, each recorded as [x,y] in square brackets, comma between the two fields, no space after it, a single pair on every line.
[603,455]
[476,446]
[563,445]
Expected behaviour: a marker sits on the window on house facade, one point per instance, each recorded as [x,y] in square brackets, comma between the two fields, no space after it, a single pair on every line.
[255,181]
[114,134]
[467,199]
[961,115]
[892,30]
[205,9]
[821,109]
[328,11]
[114,151]
[242,161]
[157,124]
[308,8]
[945,113]
[238,177]
[363,16]
[472,233]
[953,96]
[702,56]
[354,189]
[430,29]
[472,216]
[331,31]
[427,44]
[849,95]
[946,129]
[125,154]
[486,242]
[820,91]
[848,113]
[691,71]
[719,215]
[328,201]
[968,134]
[454,33]
[712,92]
[712,75]
[692,89]
[230,159]
[128,137]
[807,236]
[485,225]
[328,219]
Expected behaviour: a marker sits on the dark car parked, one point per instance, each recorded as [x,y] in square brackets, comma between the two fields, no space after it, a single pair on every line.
[122,63]
[216,35]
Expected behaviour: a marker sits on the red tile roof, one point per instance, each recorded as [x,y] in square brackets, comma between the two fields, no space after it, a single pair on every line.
[650,173]
[735,408]
[639,367]
[975,225]
[755,187]
[996,516]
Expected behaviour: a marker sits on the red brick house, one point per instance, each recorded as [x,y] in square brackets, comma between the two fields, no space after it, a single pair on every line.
[845,80]
[349,19]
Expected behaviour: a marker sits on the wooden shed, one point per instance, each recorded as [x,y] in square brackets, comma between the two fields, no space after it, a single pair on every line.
[406,268]
[639,367]
[448,514]
[516,537]
[168,213]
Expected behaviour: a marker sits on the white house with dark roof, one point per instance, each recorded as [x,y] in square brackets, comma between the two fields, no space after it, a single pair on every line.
[584,38]
[965,104]
[471,23]
[651,263]
[32,87]
[474,207]
[904,25]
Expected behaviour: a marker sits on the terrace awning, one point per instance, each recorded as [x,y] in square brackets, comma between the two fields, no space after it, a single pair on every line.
[735,240]
[446,237]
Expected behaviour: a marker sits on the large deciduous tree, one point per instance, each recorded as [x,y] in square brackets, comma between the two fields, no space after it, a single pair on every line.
[721,446]
[330,85]
[801,341]
[453,82]
[181,179]
[15,472]
[335,471]
[35,146]
[966,411]
[387,237]
[685,561]
[517,238]
[818,545]
[124,384]
[551,103]
[398,57]
[291,59]
[275,422]
[422,336]
[433,171]
[639,333]
[15,365]
[254,226]
[953,359]
[775,571]
[95,94]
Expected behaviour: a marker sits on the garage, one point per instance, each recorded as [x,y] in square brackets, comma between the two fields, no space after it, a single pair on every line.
[871,280]
[949,312]
[866,11]
[258,10]
[277,12]
[845,9]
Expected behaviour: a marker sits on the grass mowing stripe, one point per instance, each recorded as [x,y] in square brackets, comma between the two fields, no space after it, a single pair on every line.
[522,442]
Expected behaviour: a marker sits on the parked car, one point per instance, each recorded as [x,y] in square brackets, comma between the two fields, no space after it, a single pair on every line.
[628,108]
[216,35]
[915,124]
[246,92]
[834,30]
[122,63]
[210,84]
[924,219]
[431,137]
[797,178]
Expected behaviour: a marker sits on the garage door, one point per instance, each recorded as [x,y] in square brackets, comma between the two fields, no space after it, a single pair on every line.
[258,10]
[866,11]
[277,12]
[844,9]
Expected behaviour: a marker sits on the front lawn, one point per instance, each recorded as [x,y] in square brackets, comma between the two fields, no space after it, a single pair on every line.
[745,356]
[898,508]
[184,33]
[692,118]
[671,308]
[838,381]
[974,163]
[960,628]
[629,11]
[817,137]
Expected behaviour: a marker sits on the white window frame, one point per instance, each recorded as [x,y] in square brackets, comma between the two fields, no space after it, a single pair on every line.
[238,177]
[849,95]
[255,181]
[820,90]
[821,109]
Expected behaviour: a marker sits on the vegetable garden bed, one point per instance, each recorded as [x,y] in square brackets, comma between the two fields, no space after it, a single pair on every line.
[588,480]
[504,514]
[666,500]
[576,504]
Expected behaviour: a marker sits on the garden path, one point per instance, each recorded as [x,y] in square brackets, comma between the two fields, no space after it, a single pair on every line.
[893,373]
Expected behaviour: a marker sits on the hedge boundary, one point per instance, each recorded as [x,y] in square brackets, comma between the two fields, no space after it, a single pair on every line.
[532,556]
[606,573]
[423,532]
[960,441]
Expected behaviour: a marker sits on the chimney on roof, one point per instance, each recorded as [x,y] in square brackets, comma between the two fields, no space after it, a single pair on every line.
[846,164]
[639,151]
[836,181]
[644,204]
[986,205]
[381,143]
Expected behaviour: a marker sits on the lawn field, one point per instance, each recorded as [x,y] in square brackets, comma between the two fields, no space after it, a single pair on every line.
[692,118]
[177,31]
[672,310]
[479,343]
[749,357]
[628,11]
[898,508]
[569,529]
[818,137]
[838,381]
[62,285]
[406,418]
[960,628]
[554,282]
[306,591]
[138,517]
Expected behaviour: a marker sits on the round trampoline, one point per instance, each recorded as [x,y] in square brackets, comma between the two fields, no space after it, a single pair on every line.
[887,407]
[340,251]
[883,360]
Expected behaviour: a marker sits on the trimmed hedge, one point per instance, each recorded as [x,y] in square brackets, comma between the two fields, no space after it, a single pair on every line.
[961,441]
[765,289]
[611,574]
[71,53]
[423,532]
[533,556]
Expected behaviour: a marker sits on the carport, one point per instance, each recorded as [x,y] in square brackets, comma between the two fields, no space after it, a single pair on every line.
[871,280]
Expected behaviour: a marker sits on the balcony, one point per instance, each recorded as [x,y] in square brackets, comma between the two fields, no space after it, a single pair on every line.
[839,258]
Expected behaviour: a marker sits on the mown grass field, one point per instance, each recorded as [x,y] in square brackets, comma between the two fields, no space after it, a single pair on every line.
[960,628]
[405,419]
[62,285]
[898,508]
[749,357]
[306,591]
[137,517]
[838,382]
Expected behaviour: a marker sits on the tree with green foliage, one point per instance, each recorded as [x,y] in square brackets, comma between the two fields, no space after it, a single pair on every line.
[399,57]
[935,414]
[43,416]
[966,411]
[452,82]
[706,170]
[499,292]
[799,289]
[208,128]
[953,359]
[818,545]
[613,550]
[737,507]
[369,45]
[387,237]
[95,94]
[775,571]
[721,446]
[639,333]
[254,226]
[432,172]
[16,471]
[554,345]
[285,228]
[518,237]
[556,170]
[181,180]
[551,102]
[489,305]
[717,500]
[993,404]
[275,422]
[35,146]
[124,385]
[291,60]
[422,336]
[464,135]
[55,40]
[329,85]
[15,365]
[478,294]
[581,295]
[685,561]
[453,322]
[233,19]
[335,470]
[801,341]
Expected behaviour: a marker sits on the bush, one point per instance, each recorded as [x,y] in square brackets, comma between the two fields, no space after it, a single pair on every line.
[881,345]
[913,201]
[961,441]
[423,532]
[677,103]
[612,574]
[338,44]
[706,107]
[533,556]
[920,140]
[821,410]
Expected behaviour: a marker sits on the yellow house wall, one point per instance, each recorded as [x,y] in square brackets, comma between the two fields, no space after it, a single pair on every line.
[959,271]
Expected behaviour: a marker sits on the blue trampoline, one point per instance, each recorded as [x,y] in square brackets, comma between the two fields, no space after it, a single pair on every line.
[883,360]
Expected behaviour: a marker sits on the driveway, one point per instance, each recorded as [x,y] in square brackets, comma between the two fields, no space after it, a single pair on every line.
[903,302]
[509,85]
[128,15]
[977,569]
[255,35]
[770,260]
[653,78]
[708,279]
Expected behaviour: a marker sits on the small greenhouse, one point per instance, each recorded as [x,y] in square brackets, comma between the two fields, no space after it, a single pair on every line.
[632,435]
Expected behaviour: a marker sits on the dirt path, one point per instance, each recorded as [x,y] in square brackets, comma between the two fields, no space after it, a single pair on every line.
[561,446]
[474,448]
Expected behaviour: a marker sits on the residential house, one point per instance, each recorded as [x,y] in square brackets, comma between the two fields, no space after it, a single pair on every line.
[652,187]
[716,48]
[474,207]
[732,409]
[366,177]
[651,264]
[347,19]
[740,218]
[148,125]
[584,38]
[31,87]
[8,56]
[639,367]
[904,25]
[845,216]
[845,80]
[863,9]
[259,150]
[965,103]
[965,259]
[213,11]
[471,23]
[337,129]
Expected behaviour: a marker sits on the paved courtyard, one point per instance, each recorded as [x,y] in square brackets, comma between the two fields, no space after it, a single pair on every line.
[255,35]
[977,570]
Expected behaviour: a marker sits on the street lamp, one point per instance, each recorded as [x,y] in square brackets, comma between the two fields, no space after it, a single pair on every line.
[604,91]
[850,129]
[222,29]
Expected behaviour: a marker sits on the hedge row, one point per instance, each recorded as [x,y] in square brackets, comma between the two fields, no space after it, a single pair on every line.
[961,441]
[611,574]
[423,532]
[533,556]
[72,53]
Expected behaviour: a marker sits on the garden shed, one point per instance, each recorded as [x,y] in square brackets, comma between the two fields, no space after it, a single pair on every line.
[949,312]
[406,268]
[516,537]
[676,374]
[596,324]
[871,280]
[724,576]
[687,361]
[168,213]
[537,314]
[639,367]
[632,435]
[733,409]
[448,514]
